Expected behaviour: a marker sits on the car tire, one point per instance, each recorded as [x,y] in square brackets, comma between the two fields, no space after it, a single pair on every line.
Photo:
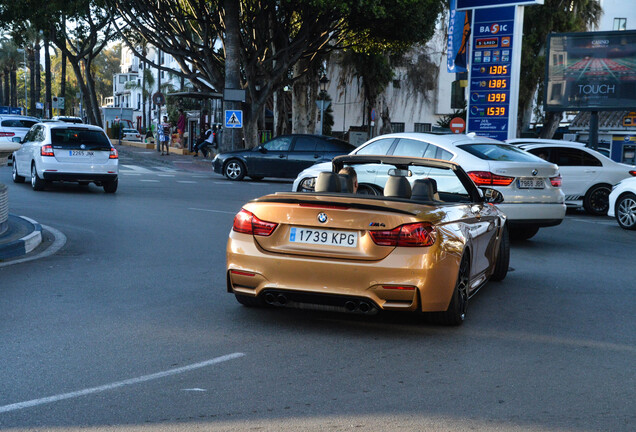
[596,200]
[36,182]
[256,178]
[234,169]
[626,211]
[456,312]
[523,232]
[503,257]
[110,186]
[14,174]
[248,301]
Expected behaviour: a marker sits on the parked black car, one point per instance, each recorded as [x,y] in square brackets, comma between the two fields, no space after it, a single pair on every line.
[284,156]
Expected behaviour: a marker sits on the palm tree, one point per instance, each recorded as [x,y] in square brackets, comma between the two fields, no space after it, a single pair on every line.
[9,62]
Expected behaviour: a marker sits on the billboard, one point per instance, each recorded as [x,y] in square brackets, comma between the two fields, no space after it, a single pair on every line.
[593,71]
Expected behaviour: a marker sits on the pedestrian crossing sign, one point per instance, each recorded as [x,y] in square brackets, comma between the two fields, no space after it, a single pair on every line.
[233,119]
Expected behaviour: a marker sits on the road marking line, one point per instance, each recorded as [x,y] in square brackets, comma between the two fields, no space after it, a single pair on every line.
[150,181]
[99,389]
[222,182]
[186,181]
[165,175]
[196,389]
[597,222]
[136,168]
[129,174]
[166,169]
[212,211]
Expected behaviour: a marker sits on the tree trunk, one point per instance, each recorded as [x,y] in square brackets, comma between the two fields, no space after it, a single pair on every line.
[14,87]
[385,115]
[2,91]
[300,103]
[31,60]
[63,82]
[550,124]
[38,72]
[232,67]
[143,94]
[47,77]
[94,104]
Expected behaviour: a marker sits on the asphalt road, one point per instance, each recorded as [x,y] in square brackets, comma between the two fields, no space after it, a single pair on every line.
[129,327]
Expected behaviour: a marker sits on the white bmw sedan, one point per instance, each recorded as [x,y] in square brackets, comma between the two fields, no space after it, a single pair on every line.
[70,152]
[588,176]
[531,186]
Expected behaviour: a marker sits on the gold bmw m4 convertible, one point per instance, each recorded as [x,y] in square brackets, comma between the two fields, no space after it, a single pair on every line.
[420,238]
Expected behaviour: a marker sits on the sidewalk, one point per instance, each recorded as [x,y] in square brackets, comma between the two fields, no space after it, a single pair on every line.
[178,158]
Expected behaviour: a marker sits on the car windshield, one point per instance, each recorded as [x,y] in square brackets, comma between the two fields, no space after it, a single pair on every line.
[498,152]
[75,136]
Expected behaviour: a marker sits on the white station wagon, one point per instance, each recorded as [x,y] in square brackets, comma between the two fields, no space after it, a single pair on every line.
[66,152]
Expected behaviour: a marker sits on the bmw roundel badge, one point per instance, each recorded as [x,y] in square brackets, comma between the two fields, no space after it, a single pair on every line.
[82,146]
[322,217]
[535,172]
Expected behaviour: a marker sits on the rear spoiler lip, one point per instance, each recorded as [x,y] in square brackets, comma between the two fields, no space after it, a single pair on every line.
[359,206]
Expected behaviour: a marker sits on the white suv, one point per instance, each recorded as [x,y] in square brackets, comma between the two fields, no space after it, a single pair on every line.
[588,176]
[66,152]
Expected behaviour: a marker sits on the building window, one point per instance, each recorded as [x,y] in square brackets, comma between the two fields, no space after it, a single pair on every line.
[162,75]
[162,58]
[397,127]
[122,79]
[620,23]
[422,127]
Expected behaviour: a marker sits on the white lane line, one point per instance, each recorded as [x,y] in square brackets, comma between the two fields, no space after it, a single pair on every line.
[186,181]
[212,211]
[138,380]
[165,175]
[222,182]
[129,174]
[166,169]
[136,168]
[597,222]
[150,181]
[200,176]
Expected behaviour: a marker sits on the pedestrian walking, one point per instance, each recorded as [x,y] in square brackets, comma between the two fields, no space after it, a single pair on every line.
[164,135]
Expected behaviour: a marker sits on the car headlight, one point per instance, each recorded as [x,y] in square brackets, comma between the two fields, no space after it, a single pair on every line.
[308,184]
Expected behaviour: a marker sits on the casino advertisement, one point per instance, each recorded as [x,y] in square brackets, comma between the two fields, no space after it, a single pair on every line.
[591,71]
[490,72]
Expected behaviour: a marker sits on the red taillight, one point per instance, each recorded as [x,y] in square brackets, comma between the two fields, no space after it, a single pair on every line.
[242,273]
[409,235]
[47,150]
[113,153]
[632,173]
[485,178]
[6,134]
[246,223]
[556,181]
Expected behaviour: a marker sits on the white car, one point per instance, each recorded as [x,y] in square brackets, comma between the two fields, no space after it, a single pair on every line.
[131,135]
[531,186]
[588,176]
[59,151]
[15,126]
[622,203]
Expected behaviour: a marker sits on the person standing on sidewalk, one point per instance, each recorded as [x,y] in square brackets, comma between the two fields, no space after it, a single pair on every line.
[181,124]
[164,135]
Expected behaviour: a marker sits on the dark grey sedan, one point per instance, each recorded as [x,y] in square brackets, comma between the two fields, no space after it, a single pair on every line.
[284,157]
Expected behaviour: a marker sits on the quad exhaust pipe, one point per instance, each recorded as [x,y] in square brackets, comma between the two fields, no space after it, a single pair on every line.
[280,299]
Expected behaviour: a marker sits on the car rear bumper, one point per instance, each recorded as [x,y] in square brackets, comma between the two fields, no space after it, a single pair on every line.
[542,215]
[430,273]
[94,177]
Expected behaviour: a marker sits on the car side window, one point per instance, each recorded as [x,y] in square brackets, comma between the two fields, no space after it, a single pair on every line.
[305,143]
[443,154]
[590,160]
[39,134]
[334,145]
[30,134]
[279,144]
[377,147]
[545,153]
[410,148]
[569,157]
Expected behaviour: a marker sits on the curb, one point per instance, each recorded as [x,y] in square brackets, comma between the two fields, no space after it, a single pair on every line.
[24,245]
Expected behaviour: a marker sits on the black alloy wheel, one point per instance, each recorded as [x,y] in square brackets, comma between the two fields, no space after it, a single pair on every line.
[456,312]
[626,211]
[596,200]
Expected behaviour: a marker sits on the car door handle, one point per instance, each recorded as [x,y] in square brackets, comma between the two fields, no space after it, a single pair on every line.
[370,171]
[281,156]
[590,171]
[316,156]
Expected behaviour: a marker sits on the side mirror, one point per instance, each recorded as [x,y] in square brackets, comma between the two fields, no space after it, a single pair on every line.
[261,149]
[17,140]
[492,196]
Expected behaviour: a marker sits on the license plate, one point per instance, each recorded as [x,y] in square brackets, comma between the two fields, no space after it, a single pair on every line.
[80,153]
[323,237]
[531,183]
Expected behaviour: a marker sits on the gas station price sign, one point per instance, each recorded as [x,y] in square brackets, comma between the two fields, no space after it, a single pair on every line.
[490,72]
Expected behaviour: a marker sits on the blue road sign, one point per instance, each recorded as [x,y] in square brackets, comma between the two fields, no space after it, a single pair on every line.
[233,119]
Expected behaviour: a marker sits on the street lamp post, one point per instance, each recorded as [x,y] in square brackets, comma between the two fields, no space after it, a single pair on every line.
[324,81]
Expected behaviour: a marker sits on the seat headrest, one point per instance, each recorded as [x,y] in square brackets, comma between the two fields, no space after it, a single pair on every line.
[327,181]
[346,183]
[398,187]
[424,190]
